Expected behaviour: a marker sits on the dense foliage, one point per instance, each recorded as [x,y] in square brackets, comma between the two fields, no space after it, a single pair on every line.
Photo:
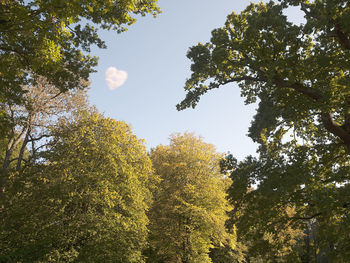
[300,76]
[31,124]
[76,186]
[86,200]
[189,212]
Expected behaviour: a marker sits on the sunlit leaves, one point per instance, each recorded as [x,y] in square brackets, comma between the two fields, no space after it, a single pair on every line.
[85,201]
[189,213]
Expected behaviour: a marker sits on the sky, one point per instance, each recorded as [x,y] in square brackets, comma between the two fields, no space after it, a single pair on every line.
[140,78]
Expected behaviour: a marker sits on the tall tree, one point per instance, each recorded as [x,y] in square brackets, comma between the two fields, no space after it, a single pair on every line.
[300,75]
[189,212]
[86,200]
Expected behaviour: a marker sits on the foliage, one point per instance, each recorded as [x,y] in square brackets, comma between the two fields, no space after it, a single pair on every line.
[51,38]
[262,216]
[300,76]
[31,123]
[226,254]
[279,199]
[44,106]
[84,201]
[189,212]
[299,70]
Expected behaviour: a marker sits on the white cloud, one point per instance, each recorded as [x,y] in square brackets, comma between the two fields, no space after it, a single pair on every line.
[115,78]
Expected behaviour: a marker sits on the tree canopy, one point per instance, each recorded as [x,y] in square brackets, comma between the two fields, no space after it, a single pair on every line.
[52,39]
[76,186]
[301,71]
[84,200]
[189,211]
[31,124]
[299,74]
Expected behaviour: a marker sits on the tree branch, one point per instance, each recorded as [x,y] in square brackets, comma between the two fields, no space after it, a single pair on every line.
[342,37]
[237,79]
[21,152]
[309,92]
[335,129]
[55,96]
[329,124]
[38,138]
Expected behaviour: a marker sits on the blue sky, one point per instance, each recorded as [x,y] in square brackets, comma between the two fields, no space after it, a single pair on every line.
[153,53]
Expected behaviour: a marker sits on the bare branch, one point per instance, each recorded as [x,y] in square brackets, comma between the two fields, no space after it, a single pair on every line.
[39,138]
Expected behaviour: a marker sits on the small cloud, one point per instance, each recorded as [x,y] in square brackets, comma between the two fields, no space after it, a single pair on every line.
[115,78]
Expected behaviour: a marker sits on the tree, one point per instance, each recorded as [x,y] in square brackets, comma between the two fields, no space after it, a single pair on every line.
[52,39]
[261,214]
[44,106]
[31,124]
[189,211]
[85,201]
[300,75]
[226,254]
[300,71]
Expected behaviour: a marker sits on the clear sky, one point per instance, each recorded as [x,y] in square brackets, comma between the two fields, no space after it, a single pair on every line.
[153,54]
